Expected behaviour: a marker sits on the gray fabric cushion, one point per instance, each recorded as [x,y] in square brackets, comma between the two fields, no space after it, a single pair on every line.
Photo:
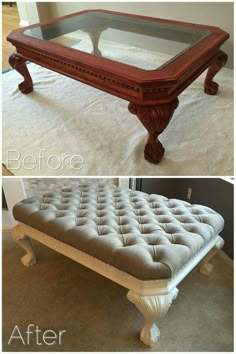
[148,236]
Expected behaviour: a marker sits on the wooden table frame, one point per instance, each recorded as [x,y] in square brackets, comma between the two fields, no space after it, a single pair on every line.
[151,297]
[153,95]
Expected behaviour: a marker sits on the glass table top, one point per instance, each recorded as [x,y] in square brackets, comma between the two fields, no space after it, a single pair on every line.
[142,43]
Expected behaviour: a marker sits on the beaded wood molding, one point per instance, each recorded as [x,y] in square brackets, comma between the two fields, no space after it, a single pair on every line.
[27,54]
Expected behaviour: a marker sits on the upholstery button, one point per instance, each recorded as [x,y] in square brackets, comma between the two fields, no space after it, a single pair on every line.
[102,220]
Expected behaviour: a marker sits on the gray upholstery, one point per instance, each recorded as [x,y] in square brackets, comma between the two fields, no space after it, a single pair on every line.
[148,236]
[38,186]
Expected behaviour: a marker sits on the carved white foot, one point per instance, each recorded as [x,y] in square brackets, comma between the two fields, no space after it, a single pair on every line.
[205,267]
[152,308]
[24,242]
[149,334]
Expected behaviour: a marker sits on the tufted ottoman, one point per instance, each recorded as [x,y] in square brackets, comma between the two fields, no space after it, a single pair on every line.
[146,243]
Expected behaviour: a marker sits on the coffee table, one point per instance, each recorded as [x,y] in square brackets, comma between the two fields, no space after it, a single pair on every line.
[180,52]
[146,243]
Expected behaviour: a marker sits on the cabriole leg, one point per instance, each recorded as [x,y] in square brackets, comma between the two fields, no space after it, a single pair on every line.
[18,63]
[95,36]
[219,60]
[205,267]
[152,308]
[155,119]
[24,242]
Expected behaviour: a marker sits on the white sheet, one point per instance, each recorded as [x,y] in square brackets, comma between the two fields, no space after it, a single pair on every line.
[65,117]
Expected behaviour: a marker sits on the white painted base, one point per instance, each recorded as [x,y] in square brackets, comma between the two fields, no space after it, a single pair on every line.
[152,297]
[205,267]
[152,308]
[24,242]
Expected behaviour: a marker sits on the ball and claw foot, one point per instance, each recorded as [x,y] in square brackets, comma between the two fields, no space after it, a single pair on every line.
[19,64]
[25,88]
[211,87]
[205,267]
[155,119]
[24,242]
[154,151]
[152,308]
[28,260]
[150,335]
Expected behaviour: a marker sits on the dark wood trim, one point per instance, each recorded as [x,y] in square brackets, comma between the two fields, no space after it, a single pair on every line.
[170,72]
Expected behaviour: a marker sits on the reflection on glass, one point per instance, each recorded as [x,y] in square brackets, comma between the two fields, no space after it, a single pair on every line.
[145,44]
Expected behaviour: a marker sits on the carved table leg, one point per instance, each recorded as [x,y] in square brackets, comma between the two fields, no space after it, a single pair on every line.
[219,60]
[24,242]
[152,308]
[204,266]
[18,63]
[95,36]
[155,119]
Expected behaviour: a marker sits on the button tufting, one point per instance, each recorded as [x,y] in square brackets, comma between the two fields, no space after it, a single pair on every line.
[131,230]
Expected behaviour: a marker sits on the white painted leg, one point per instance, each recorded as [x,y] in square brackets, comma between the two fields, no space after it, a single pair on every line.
[205,267]
[152,308]
[24,242]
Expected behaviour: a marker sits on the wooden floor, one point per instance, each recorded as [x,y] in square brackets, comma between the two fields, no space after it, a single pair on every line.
[10,21]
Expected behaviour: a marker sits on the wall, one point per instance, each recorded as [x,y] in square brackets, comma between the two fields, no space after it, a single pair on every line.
[44,11]
[212,192]
[28,13]
[14,192]
[215,14]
